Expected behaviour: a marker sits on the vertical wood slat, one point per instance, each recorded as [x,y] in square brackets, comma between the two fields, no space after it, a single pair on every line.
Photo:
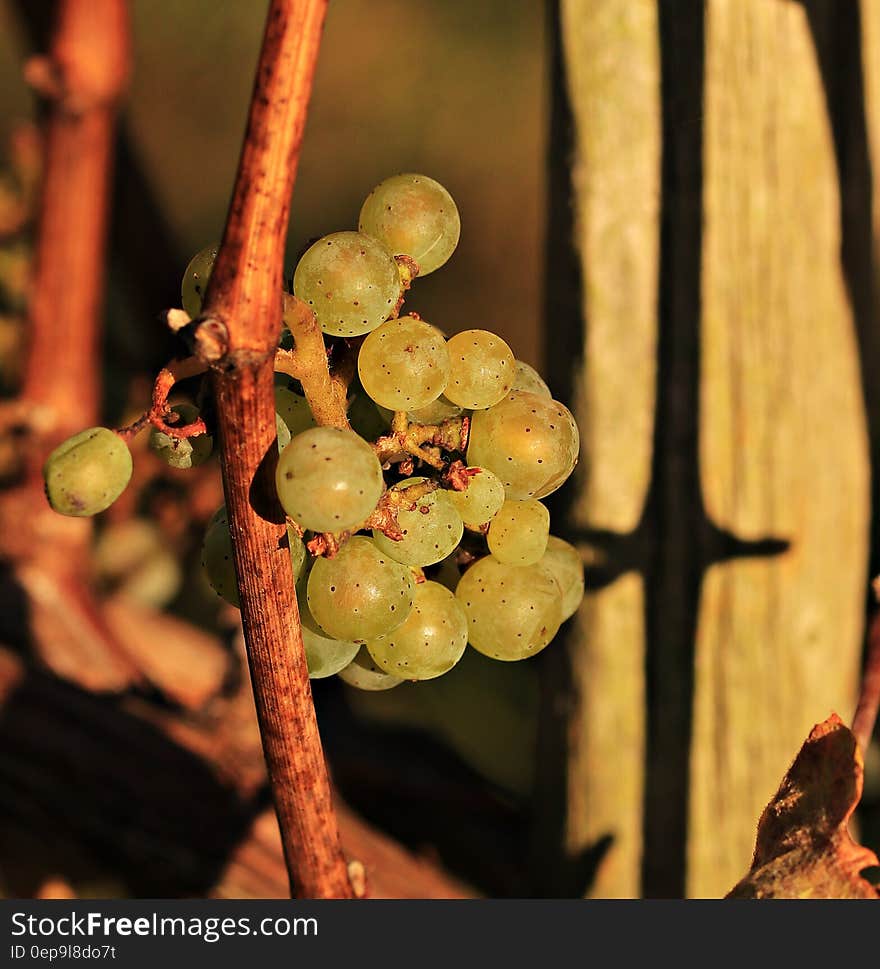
[612,65]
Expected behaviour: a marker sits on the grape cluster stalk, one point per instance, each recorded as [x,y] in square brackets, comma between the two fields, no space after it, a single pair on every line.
[411,464]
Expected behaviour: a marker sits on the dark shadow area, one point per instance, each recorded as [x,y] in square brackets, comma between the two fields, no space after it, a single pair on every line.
[87,785]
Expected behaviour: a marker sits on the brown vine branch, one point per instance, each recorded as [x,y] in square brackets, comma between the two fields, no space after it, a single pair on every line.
[244,297]
[868,704]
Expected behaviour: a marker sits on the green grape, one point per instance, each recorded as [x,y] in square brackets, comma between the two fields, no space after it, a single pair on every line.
[360,593]
[431,528]
[404,364]
[324,655]
[182,452]
[564,561]
[415,216]
[195,280]
[518,533]
[328,479]
[366,418]
[86,473]
[217,560]
[363,674]
[527,378]
[480,501]
[282,432]
[350,281]
[483,369]
[436,412]
[431,640]
[294,410]
[513,611]
[530,442]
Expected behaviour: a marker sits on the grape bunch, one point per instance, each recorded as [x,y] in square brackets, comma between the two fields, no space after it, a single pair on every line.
[419,528]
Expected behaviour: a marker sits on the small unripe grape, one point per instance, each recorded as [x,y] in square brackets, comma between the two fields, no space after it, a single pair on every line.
[480,501]
[431,640]
[294,410]
[363,674]
[195,280]
[482,369]
[415,216]
[328,479]
[87,472]
[404,364]
[518,533]
[350,281]
[182,452]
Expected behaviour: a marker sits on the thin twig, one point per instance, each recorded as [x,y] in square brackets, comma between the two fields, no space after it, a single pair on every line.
[244,297]
[868,706]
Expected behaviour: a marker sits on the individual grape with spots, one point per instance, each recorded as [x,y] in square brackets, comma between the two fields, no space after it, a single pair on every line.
[182,452]
[404,364]
[431,640]
[513,611]
[294,410]
[415,216]
[217,560]
[350,281]
[360,593]
[195,280]
[518,533]
[431,528]
[325,656]
[86,473]
[530,442]
[282,433]
[566,564]
[482,498]
[527,378]
[328,479]
[482,371]
[363,674]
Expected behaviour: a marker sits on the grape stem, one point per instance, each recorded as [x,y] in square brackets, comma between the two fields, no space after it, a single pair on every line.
[422,441]
[308,364]
[243,303]
[160,409]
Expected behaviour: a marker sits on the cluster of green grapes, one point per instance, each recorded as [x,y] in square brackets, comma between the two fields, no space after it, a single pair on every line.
[464,552]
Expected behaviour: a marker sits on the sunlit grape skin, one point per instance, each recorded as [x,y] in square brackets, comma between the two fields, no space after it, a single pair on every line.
[431,640]
[565,562]
[360,593]
[363,674]
[86,473]
[527,378]
[513,611]
[325,656]
[530,442]
[431,528]
[328,479]
[195,280]
[482,369]
[413,215]
[350,281]
[518,533]
[404,364]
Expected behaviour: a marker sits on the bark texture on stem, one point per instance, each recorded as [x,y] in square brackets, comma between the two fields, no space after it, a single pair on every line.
[244,294]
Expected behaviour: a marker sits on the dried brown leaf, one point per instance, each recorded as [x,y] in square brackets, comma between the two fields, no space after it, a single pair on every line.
[803,847]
